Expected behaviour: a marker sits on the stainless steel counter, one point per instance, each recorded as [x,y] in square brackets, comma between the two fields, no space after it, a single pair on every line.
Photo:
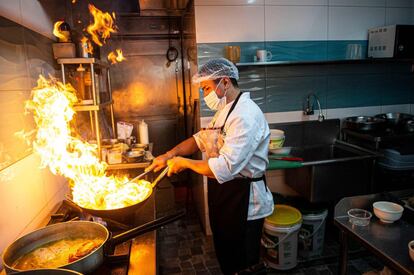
[389,242]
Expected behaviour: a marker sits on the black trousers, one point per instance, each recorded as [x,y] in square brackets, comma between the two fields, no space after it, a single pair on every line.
[245,252]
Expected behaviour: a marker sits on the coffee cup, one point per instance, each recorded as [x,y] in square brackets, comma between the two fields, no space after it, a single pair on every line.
[263,56]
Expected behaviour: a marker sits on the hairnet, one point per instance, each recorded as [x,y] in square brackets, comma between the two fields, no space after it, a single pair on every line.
[215,69]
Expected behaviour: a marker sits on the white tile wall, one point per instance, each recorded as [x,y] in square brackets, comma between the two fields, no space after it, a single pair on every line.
[297,2]
[229,23]
[292,20]
[28,195]
[289,23]
[352,23]
[357,3]
[399,16]
[403,108]
[228,2]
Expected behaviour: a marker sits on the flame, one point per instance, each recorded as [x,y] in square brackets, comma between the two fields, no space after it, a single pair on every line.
[52,106]
[118,57]
[87,45]
[102,27]
[63,37]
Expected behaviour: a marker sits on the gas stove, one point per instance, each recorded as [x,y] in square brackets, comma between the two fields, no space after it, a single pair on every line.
[118,258]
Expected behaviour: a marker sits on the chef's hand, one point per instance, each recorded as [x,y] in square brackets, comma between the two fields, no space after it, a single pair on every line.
[158,163]
[176,165]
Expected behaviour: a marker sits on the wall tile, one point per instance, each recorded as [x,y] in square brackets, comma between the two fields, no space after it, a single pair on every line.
[400,3]
[340,49]
[287,23]
[296,2]
[228,2]
[206,51]
[257,90]
[356,90]
[352,23]
[297,50]
[356,69]
[289,94]
[251,72]
[13,71]
[295,71]
[229,23]
[354,3]
[399,16]
[399,89]
[402,108]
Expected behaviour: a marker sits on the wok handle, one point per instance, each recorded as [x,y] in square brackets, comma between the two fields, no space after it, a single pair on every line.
[147,227]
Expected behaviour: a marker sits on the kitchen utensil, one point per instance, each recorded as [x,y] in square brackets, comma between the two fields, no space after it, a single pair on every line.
[135,155]
[411,249]
[359,217]
[387,212]
[79,229]
[119,213]
[395,119]
[365,123]
[409,126]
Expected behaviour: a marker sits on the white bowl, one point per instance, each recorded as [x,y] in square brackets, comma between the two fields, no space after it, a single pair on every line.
[281,151]
[387,212]
[411,249]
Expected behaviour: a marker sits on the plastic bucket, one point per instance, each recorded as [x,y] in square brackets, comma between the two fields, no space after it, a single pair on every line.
[312,233]
[277,139]
[280,237]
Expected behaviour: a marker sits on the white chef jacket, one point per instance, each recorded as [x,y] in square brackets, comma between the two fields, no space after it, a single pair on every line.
[244,153]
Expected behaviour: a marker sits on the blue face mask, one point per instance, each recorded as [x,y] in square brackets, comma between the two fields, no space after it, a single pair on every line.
[213,101]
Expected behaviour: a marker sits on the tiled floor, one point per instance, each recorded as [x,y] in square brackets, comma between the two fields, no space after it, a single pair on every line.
[184,249]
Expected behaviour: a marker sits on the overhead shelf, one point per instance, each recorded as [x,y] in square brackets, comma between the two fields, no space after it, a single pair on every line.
[321,62]
[80,108]
[82,60]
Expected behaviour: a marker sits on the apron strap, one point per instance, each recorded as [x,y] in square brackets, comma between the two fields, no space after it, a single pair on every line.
[231,109]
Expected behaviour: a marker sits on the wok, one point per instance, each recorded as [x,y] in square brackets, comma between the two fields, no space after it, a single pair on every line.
[395,119]
[78,229]
[120,213]
[365,123]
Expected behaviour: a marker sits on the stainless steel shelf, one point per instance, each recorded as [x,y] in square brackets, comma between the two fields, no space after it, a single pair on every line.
[82,108]
[82,60]
[133,165]
[311,62]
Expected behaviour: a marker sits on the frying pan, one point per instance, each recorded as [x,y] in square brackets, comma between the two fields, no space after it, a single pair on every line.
[365,123]
[120,213]
[78,229]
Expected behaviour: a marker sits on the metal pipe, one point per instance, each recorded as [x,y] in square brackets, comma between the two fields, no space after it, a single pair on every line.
[183,76]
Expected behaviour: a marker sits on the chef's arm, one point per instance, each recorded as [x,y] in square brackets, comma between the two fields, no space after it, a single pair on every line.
[179,164]
[185,148]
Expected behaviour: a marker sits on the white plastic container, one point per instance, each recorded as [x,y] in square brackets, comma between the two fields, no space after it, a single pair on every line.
[280,237]
[143,133]
[312,234]
[277,139]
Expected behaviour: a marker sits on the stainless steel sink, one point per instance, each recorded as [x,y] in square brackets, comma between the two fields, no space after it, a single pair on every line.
[331,171]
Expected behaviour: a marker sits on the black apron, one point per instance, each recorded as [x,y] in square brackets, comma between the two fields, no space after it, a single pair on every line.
[228,209]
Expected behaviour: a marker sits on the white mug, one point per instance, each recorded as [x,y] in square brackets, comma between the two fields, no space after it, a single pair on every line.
[263,55]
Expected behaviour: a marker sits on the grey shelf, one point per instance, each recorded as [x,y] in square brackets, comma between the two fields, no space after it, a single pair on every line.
[82,60]
[321,62]
[82,108]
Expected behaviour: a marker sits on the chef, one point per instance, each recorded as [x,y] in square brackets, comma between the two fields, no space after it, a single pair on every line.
[235,146]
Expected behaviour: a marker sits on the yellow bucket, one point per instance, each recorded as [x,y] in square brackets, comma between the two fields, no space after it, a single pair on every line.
[280,237]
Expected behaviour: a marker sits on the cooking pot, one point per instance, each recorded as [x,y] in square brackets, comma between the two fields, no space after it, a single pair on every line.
[365,123]
[78,229]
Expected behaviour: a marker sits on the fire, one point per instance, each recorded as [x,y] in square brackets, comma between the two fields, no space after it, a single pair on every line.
[102,27]
[63,37]
[52,106]
[116,57]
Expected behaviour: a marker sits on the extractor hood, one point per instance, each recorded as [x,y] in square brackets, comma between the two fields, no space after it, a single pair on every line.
[154,7]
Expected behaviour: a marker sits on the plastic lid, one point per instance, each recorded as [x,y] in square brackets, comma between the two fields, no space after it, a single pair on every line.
[284,215]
